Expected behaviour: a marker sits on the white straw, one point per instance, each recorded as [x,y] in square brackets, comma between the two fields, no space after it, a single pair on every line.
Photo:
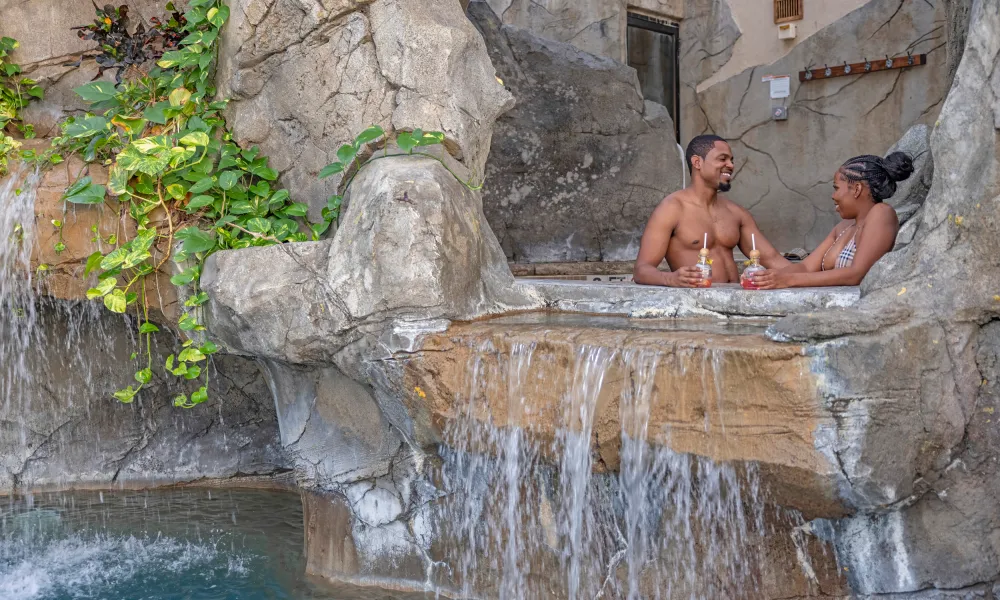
[706,239]
[753,241]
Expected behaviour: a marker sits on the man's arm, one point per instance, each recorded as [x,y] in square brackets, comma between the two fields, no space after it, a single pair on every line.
[652,250]
[769,256]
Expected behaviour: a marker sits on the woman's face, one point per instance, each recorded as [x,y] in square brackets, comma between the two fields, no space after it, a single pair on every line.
[846,196]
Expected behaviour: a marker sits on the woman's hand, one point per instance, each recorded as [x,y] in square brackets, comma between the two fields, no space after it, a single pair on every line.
[772,279]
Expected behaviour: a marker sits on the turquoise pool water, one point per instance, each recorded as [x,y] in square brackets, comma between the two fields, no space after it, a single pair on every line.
[192,544]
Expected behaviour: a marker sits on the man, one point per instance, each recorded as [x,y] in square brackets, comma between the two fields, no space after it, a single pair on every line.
[677,227]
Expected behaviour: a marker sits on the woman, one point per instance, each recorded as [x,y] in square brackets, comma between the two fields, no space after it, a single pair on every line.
[867,232]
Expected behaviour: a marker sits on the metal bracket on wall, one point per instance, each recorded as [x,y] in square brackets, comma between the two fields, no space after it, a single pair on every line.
[868,66]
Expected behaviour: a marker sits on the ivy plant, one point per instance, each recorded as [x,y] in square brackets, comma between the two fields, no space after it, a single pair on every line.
[15,93]
[186,187]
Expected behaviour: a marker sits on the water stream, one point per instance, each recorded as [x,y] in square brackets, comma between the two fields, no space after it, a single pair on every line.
[533,515]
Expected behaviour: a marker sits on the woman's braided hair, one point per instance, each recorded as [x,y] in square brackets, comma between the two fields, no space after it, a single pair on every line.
[881,174]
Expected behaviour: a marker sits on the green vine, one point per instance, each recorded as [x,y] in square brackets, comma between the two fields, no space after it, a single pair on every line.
[15,93]
[178,176]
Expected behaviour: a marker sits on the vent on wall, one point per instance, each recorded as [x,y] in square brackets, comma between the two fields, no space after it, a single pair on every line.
[787,10]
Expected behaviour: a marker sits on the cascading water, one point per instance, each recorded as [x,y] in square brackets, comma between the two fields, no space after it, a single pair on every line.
[529,517]
[18,309]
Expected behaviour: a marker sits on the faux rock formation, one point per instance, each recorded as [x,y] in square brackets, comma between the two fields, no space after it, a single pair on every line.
[413,246]
[49,49]
[306,77]
[581,161]
[928,443]
[785,168]
[62,428]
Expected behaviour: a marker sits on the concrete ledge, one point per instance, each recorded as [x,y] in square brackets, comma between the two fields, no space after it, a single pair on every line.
[722,301]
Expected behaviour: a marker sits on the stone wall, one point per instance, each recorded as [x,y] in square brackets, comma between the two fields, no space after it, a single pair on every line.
[61,428]
[50,50]
[580,162]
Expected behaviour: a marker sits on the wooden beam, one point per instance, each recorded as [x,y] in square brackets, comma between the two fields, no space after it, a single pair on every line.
[898,62]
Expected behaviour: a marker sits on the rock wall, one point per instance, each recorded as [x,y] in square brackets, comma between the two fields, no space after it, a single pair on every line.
[306,77]
[784,168]
[50,50]
[932,528]
[580,162]
[60,427]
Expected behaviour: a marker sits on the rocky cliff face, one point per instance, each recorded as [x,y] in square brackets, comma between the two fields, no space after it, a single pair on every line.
[580,162]
[932,526]
[306,77]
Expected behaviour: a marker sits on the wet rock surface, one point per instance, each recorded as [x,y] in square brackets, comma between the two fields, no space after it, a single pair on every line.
[61,428]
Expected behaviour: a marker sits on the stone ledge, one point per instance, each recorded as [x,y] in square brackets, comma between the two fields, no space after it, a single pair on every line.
[722,301]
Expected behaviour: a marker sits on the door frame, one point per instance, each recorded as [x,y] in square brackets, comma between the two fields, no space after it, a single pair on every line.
[659,26]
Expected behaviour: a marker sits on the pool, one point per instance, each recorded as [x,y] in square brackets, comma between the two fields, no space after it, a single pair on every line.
[190,544]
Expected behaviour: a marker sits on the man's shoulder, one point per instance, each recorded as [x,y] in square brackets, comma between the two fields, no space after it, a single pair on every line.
[733,207]
[674,201]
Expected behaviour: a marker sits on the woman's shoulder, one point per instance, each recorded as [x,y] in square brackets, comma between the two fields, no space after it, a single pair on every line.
[884,214]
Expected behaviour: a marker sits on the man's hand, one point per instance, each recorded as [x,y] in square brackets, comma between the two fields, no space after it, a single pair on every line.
[771,279]
[685,277]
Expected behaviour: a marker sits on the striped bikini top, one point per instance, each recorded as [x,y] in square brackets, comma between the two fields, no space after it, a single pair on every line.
[846,256]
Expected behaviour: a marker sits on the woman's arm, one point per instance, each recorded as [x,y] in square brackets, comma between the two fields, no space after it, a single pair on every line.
[750,235]
[877,238]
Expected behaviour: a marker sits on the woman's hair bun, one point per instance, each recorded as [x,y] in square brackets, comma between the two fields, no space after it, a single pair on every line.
[898,165]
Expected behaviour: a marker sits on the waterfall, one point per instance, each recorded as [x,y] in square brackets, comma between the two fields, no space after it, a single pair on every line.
[18,309]
[525,514]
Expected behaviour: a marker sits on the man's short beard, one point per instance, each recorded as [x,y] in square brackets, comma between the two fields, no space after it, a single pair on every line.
[725,186]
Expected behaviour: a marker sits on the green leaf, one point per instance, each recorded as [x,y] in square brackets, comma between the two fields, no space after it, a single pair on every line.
[114,259]
[196,300]
[169,364]
[278,197]
[209,347]
[331,169]
[406,142]
[115,301]
[193,372]
[198,202]
[176,191]
[96,91]
[319,229]
[297,209]
[78,186]
[132,126]
[191,354]
[264,172]
[92,194]
[103,288]
[148,327]
[127,395]
[85,127]
[195,240]
[346,153]
[228,179]
[200,395]
[369,135]
[430,138]
[144,376]
[181,401]
[157,112]
[179,97]
[197,138]
[240,207]
[203,184]
[93,262]
[118,180]
[186,323]
[135,257]
[258,225]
